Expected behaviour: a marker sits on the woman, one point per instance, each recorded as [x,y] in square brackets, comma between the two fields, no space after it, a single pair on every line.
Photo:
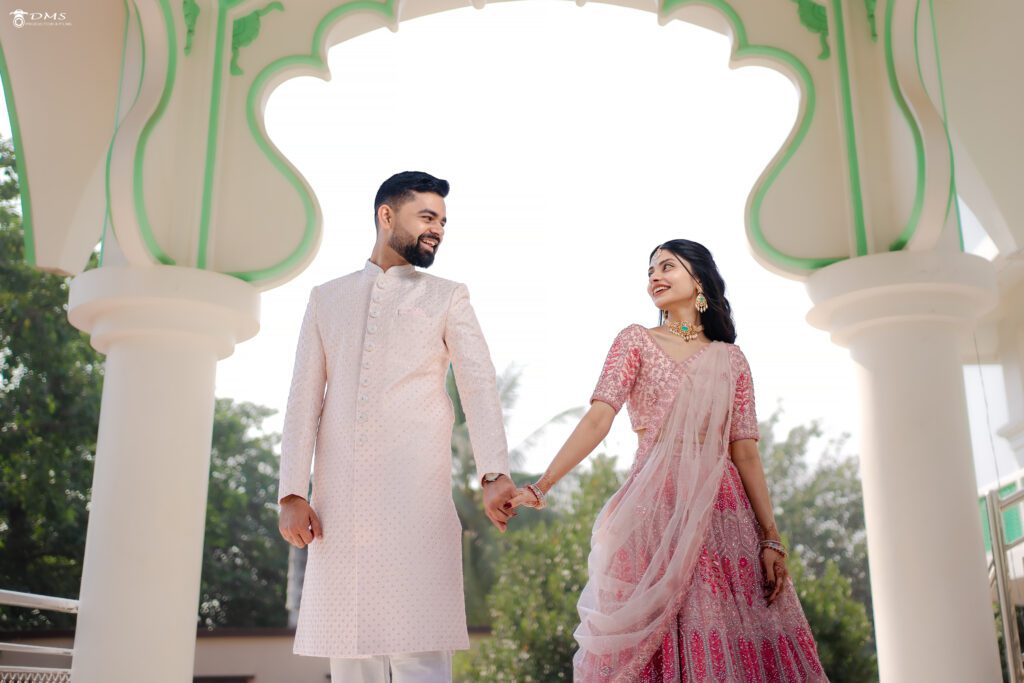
[680,551]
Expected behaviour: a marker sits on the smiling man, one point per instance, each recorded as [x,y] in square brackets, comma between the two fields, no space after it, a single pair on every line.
[383,595]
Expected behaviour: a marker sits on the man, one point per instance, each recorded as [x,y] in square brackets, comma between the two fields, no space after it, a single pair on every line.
[383,594]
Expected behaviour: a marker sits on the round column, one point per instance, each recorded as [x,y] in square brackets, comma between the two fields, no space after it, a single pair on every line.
[904,317]
[163,330]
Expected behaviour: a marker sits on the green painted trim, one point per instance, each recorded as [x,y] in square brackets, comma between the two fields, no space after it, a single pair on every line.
[142,43]
[242,34]
[924,84]
[138,184]
[814,17]
[742,49]
[138,90]
[850,134]
[254,120]
[245,30]
[190,12]
[945,122]
[107,219]
[212,133]
[870,7]
[915,214]
[28,232]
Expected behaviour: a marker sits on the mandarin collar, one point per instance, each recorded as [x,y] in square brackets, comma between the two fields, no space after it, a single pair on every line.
[374,270]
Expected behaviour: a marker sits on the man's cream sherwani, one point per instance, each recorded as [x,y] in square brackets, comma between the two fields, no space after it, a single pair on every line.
[387,576]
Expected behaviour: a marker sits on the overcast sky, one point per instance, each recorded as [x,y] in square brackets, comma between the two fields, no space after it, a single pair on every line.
[575,140]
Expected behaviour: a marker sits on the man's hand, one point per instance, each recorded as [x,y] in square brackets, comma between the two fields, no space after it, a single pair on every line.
[497,497]
[298,523]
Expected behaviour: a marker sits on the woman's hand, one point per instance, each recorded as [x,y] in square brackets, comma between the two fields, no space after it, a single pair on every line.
[775,573]
[526,498]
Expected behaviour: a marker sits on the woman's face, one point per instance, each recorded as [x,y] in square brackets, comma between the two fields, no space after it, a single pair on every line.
[669,283]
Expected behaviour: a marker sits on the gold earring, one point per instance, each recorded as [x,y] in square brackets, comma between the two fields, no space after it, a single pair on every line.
[702,301]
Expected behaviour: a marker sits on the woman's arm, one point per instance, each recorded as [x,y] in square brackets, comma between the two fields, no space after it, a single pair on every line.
[591,430]
[747,459]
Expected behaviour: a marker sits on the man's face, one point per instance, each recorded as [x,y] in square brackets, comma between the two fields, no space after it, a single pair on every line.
[419,228]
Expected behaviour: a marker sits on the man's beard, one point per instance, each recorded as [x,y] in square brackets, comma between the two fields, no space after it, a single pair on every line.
[412,250]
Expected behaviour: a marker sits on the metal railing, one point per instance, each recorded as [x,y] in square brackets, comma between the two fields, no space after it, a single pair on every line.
[995,506]
[35,674]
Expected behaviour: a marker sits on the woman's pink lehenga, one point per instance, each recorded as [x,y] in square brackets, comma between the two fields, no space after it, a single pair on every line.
[674,590]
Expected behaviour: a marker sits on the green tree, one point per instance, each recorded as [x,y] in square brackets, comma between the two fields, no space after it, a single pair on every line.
[838,621]
[821,511]
[50,382]
[50,387]
[245,562]
[533,604]
[481,542]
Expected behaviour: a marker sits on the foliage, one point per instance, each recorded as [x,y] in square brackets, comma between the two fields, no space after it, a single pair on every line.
[839,622]
[533,604]
[50,381]
[821,511]
[481,543]
[50,387]
[245,563]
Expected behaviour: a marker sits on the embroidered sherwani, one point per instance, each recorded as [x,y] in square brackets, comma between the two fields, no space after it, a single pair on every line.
[368,394]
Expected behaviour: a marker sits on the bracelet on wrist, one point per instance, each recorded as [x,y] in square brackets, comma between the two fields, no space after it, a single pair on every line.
[540,495]
[777,546]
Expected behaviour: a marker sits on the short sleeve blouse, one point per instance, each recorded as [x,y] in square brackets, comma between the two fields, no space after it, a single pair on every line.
[634,348]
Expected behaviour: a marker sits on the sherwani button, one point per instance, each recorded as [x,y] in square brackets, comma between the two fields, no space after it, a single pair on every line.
[371,328]
[374,312]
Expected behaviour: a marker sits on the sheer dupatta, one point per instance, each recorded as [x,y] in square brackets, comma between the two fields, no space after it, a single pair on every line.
[648,536]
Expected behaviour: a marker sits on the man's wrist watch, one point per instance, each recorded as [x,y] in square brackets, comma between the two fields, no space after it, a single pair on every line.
[491,477]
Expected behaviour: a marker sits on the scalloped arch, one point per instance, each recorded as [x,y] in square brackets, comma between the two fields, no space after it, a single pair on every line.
[314,63]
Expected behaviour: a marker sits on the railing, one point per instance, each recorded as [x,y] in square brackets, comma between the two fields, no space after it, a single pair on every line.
[1000,569]
[34,674]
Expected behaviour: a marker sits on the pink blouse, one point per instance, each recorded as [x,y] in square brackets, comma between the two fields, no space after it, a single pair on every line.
[639,373]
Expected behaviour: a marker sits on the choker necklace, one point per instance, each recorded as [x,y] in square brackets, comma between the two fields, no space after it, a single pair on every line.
[685,330]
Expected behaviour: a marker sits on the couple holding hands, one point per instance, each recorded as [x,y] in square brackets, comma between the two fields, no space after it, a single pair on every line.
[687,573]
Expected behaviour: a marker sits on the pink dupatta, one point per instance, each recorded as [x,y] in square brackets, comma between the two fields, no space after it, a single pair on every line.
[648,536]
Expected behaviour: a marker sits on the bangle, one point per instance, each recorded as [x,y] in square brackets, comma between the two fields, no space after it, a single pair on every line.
[535,490]
[777,546]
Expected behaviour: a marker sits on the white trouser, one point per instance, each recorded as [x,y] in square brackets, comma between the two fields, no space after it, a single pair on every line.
[415,667]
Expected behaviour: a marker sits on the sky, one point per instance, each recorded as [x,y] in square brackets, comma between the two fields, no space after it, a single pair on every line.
[575,140]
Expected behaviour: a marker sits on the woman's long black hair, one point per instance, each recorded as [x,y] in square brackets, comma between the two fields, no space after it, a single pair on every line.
[717,320]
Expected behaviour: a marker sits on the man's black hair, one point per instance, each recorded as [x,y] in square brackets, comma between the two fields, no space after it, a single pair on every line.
[398,189]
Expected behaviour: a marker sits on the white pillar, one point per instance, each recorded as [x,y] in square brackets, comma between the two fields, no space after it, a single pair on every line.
[163,330]
[1009,327]
[904,316]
